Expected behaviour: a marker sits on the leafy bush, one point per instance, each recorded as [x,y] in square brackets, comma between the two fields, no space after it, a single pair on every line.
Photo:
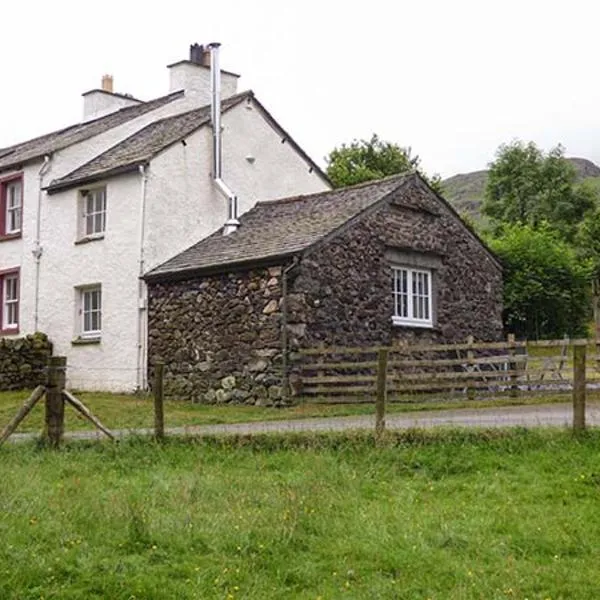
[546,285]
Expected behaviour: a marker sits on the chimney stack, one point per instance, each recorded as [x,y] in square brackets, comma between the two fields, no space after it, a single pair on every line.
[107,83]
[200,55]
[193,76]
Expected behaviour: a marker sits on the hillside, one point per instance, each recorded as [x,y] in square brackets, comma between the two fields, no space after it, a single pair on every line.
[465,191]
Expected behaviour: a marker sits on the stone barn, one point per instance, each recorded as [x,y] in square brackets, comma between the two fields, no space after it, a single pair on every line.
[371,264]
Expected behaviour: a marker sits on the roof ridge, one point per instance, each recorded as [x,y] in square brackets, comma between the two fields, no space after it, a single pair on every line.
[72,178]
[239,96]
[363,184]
[13,147]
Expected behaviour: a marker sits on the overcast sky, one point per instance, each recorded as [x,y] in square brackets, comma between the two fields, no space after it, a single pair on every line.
[451,79]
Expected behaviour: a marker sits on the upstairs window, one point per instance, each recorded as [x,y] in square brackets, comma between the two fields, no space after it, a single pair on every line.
[11,206]
[412,293]
[9,295]
[93,213]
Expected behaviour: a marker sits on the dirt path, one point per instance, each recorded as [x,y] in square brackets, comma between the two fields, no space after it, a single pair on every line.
[540,415]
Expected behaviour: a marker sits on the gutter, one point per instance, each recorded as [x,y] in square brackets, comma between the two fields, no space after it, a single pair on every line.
[37,247]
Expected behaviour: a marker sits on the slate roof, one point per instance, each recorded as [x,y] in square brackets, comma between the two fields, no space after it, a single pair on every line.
[13,156]
[142,146]
[279,228]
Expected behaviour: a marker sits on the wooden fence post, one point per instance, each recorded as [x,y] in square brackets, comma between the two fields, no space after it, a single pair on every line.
[55,404]
[579,357]
[159,414]
[471,364]
[512,366]
[382,360]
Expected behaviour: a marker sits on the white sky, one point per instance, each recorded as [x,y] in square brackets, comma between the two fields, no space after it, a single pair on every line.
[451,79]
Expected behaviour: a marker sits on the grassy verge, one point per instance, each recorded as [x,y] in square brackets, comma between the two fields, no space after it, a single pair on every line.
[423,515]
[118,411]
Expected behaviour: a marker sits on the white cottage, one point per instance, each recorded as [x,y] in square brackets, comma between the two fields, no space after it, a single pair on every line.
[86,211]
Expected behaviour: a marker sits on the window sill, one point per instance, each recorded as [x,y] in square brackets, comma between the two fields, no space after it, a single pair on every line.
[410,323]
[10,236]
[10,331]
[86,341]
[89,238]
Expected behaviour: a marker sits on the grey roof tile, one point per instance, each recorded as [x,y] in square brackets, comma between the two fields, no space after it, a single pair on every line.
[18,154]
[140,147]
[279,228]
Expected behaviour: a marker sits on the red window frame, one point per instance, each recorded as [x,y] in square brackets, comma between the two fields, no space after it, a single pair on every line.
[4,273]
[4,181]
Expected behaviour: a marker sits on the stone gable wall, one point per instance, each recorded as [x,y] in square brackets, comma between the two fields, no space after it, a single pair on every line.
[344,286]
[23,361]
[219,337]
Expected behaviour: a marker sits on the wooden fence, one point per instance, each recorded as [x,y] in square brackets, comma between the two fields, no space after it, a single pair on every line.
[469,370]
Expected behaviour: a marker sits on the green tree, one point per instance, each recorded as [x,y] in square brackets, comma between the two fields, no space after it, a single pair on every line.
[366,160]
[527,186]
[546,284]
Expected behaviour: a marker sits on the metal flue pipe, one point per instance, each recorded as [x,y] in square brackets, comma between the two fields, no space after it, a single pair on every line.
[232,222]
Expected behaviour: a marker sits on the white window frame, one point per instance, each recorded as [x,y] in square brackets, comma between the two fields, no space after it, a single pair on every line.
[13,194]
[412,291]
[10,305]
[86,308]
[93,218]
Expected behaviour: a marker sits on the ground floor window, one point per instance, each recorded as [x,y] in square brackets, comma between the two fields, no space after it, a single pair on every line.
[90,311]
[412,293]
[9,294]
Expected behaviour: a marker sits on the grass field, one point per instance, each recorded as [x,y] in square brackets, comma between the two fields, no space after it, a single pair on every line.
[121,411]
[456,515]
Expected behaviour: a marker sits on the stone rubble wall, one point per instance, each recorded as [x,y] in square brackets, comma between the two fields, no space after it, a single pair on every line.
[341,293]
[219,337]
[23,361]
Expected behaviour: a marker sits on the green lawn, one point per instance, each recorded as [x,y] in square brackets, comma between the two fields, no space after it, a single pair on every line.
[453,515]
[120,411]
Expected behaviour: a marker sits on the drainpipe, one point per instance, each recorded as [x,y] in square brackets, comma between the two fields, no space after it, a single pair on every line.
[285,379]
[232,222]
[141,317]
[37,246]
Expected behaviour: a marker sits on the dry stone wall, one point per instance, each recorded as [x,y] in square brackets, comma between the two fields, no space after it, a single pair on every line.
[23,361]
[219,337]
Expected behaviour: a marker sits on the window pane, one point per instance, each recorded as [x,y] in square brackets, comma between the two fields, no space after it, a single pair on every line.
[87,325]
[89,225]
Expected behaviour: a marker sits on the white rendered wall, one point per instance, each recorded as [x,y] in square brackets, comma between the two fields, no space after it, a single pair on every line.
[182,208]
[183,205]
[111,262]
[98,103]
[17,252]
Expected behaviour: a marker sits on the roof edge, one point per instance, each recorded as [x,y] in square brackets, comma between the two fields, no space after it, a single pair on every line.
[466,225]
[240,265]
[120,170]
[275,124]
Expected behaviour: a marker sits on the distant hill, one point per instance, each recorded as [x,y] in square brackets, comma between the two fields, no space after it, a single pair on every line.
[465,191]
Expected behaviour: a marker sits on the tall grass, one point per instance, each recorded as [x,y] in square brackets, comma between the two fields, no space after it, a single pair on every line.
[439,515]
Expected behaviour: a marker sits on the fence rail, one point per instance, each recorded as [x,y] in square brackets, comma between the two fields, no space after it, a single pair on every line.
[470,369]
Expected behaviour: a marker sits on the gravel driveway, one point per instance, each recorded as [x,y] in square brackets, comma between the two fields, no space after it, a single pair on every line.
[539,415]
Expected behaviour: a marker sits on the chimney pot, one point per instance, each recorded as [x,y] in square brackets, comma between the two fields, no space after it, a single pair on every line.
[107,83]
[196,53]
